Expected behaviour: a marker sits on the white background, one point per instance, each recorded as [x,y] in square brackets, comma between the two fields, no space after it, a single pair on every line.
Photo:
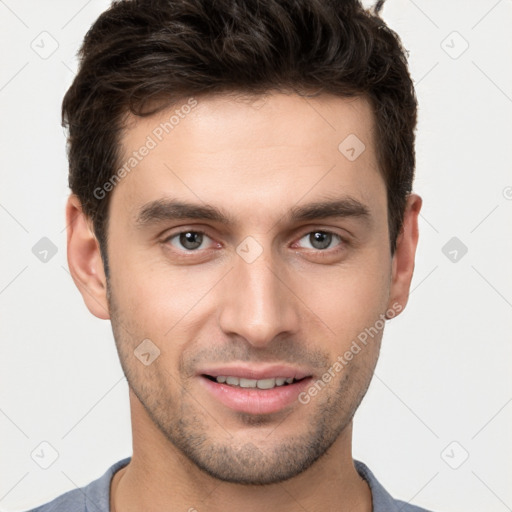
[444,372]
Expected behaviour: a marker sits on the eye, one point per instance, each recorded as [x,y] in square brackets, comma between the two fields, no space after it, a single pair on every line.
[188,240]
[321,240]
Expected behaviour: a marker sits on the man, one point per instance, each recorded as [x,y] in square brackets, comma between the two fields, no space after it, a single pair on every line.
[241,210]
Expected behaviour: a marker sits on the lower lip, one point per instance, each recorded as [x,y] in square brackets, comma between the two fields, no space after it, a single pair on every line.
[254,400]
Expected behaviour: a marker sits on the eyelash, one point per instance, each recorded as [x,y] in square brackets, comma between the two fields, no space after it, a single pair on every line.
[318,252]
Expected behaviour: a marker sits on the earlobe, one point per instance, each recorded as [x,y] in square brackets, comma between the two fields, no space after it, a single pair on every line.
[403,259]
[84,259]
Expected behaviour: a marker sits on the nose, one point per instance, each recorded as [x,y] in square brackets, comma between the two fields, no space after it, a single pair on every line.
[257,302]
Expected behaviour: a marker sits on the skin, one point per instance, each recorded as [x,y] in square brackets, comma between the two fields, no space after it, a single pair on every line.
[295,304]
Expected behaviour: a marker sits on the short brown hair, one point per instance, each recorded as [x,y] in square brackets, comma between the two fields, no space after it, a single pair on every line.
[141,51]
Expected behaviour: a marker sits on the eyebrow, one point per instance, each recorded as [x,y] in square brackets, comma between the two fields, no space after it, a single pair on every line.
[167,209]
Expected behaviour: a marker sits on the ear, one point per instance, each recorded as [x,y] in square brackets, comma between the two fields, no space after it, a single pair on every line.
[84,259]
[403,260]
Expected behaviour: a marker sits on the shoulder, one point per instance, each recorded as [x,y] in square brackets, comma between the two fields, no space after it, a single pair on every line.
[382,500]
[92,497]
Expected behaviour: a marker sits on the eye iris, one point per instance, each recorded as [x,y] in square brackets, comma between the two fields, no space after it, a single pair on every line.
[191,239]
[324,239]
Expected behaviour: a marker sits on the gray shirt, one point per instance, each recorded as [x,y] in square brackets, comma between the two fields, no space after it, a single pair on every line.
[95,497]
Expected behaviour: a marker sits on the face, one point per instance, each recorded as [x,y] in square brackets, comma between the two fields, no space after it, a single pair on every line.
[251,251]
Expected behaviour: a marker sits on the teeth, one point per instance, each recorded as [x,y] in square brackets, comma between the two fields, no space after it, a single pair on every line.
[253,383]
[266,383]
[248,383]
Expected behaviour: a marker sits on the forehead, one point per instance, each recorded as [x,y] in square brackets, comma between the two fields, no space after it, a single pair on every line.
[251,153]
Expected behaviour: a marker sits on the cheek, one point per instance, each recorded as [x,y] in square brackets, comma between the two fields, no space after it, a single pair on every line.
[347,299]
[162,303]
[147,289]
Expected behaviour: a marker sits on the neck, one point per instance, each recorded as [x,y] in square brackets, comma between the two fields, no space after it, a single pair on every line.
[159,477]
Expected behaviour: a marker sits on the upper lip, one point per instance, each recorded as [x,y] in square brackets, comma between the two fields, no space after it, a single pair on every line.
[255,372]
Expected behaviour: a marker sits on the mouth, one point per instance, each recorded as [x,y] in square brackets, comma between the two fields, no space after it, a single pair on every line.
[255,390]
